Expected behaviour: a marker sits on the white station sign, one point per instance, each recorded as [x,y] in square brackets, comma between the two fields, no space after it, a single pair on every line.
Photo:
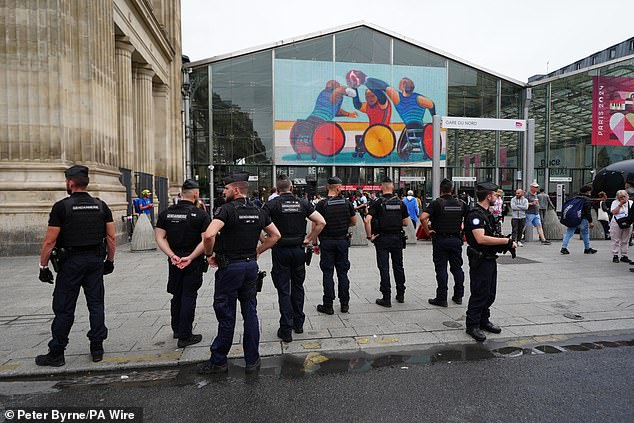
[463,178]
[483,124]
[560,179]
[412,179]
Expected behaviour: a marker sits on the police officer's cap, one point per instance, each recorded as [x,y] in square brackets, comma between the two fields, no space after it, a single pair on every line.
[76,170]
[236,177]
[487,186]
[190,184]
[334,180]
[386,180]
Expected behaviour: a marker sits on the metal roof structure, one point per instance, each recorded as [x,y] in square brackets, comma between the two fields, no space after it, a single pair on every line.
[347,27]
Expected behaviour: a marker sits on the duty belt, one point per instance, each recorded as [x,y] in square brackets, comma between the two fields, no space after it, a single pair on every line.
[241,260]
[85,250]
[444,235]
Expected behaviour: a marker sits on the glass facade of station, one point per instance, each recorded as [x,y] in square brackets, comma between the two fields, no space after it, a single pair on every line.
[245,111]
[562,108]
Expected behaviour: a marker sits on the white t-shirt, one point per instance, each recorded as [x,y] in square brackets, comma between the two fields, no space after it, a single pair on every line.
[623,211]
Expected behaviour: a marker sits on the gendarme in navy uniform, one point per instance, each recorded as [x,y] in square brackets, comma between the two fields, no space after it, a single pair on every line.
[81,229]
[446,214]
[289,214]
[384,227]
[179,231]
[231,245]
[334,243]
[484,244]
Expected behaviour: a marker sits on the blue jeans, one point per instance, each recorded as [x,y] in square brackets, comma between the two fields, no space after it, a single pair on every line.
[584,227]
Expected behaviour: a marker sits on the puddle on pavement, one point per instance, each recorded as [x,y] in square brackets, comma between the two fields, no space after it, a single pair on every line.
[313,364]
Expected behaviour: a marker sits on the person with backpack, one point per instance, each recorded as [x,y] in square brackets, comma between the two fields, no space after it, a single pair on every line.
[621,226]
[384,227]
[576,213]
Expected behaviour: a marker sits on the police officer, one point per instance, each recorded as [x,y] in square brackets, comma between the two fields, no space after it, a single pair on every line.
[81,229]
[384,227]
[334,243]
[178,233]
[447,214]
[231,244]
[289,214]
[479,226]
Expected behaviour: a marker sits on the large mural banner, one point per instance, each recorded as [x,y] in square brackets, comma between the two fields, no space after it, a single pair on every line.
[613,111]
[356,114]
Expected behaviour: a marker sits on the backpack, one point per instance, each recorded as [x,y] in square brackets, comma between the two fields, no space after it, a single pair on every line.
[137,206]
[571,212]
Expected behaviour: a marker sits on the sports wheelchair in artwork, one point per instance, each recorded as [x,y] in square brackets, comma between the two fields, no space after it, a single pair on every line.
[310,137]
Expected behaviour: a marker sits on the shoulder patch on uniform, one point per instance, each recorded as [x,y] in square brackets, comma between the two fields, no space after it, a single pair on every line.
[475,221]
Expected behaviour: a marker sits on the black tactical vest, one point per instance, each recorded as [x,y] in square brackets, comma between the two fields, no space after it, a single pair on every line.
[290,218]
[489,228]
[390,220]
[239,237]
[85,224]
[183,227]
[337,217]
[449,221]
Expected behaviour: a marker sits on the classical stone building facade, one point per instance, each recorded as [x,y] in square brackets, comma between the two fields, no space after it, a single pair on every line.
[91,82]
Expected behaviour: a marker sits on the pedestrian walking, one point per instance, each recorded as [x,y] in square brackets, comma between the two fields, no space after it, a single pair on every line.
[519,205]
[178,233]
[482,252]
[231,245]
[81,230]
[334,244]
[584,226]
[412,207]
[621,226]
[532,213]
[384,227]
[289,214]
[447,216]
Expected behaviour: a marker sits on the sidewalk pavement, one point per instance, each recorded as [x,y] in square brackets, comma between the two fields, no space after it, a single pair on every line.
[539,294]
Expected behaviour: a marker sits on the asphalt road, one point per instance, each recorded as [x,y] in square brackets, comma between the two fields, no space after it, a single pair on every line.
[589,386]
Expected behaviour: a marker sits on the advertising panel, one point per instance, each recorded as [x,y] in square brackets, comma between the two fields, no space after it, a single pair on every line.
[329,113]
[613,111]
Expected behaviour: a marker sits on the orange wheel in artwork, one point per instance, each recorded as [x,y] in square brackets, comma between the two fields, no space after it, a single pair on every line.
[428,139]
[379,140]
[328,139]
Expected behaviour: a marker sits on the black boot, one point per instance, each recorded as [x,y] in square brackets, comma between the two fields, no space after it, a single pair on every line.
[53,359]
[386,301]
[96,351]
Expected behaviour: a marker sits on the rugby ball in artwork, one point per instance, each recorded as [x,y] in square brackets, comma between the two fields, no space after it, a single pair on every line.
[355,78]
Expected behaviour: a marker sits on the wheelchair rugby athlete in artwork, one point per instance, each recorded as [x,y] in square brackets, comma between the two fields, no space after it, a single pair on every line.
[320,135]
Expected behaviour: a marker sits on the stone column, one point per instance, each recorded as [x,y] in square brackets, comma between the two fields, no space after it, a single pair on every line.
[143,120]
[125,103]
[161,140]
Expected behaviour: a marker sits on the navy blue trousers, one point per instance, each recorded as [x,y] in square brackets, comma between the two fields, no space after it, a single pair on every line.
[288,274]
[448,249]
[334,255]
[390,246]
[236,282]
[183,285]
[78,271]
[483,287]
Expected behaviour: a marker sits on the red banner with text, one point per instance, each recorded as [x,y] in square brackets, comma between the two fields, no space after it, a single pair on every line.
[613,111]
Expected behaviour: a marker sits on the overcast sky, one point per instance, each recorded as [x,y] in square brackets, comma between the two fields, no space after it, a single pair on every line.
[512,37]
